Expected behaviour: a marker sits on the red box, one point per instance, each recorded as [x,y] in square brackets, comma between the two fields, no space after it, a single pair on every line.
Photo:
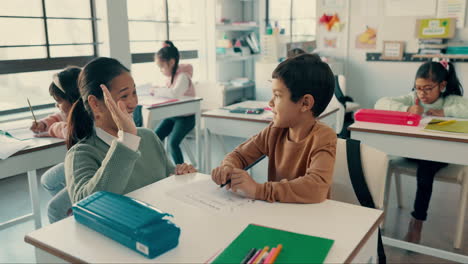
[387,117]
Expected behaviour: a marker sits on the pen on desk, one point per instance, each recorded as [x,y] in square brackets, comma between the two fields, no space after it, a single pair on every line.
[246,168]
[249,255]
[30,108]
[446,122]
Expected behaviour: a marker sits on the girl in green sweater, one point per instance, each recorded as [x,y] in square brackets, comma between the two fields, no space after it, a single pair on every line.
[106,150]
[437,92]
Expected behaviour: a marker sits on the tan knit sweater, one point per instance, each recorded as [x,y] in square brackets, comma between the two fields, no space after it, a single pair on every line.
[298,172]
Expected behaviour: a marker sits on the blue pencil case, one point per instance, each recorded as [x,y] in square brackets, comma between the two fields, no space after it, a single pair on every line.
[128,221]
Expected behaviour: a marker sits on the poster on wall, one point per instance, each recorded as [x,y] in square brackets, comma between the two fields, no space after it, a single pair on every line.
[330,42]
[410,7]
[452,9]
[367,39]
[435,28]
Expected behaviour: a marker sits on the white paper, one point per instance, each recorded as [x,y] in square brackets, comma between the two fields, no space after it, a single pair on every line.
[10,146]
[206,194]
[410,7]
[452,9]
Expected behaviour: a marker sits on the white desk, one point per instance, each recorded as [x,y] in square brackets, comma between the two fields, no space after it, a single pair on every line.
[188,105]
[414,142]
[221,122]
[205,231]
[43,152]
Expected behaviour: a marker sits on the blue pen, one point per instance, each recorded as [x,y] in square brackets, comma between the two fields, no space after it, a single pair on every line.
[246,168]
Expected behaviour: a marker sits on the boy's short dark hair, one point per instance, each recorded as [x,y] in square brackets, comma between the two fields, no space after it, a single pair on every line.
[307,74]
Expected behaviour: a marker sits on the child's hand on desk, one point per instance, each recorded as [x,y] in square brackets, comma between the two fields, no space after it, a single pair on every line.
[38,127]
[435,112]
[416,108]
[221,174]
[184,168]
[242,183]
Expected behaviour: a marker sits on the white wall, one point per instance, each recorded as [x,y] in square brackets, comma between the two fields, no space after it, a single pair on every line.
[369,81]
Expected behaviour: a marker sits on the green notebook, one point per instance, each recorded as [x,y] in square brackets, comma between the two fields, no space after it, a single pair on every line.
[457,127]
[297,248]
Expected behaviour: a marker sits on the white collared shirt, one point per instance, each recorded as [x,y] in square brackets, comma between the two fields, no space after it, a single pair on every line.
[129,140]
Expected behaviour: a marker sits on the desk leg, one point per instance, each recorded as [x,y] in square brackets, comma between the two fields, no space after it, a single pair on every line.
[207,151]
[34,191]
[197,138]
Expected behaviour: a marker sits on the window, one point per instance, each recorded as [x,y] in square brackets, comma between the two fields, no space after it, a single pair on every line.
[37,41]
[297,17]
[176,20]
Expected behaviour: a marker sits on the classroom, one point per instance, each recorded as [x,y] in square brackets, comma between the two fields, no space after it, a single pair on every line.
[233,131]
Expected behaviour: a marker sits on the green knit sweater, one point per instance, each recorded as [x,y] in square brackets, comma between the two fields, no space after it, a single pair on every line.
[453,105]
[91,165]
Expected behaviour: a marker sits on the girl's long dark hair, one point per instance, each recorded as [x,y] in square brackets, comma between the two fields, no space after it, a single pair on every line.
[81,119]
[437,73]
[168,52]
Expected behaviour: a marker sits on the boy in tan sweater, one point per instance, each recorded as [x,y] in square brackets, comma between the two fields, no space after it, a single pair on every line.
[301,150]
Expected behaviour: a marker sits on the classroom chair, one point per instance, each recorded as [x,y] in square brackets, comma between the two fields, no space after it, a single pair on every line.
[374,165]
[348,106]
[457,174]
[375,169]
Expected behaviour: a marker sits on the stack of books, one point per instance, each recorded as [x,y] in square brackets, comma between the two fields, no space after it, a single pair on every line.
[457,48]
[432,46]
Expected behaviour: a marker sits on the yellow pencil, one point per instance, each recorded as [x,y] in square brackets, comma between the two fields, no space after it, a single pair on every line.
[446,122]
[278,250]
[30,108]
[259,257]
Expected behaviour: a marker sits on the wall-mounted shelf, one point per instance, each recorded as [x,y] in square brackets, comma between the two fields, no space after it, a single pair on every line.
[236,58]
[229,27]
[414,57]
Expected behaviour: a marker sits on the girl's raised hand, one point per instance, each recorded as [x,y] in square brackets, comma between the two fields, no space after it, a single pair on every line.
[121,117]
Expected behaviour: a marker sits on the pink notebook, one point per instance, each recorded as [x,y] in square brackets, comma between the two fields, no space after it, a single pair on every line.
[151,101]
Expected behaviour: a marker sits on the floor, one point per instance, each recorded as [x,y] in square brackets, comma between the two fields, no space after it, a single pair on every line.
[438,230]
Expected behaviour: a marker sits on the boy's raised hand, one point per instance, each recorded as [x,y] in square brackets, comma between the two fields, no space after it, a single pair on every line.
[221,174]
[123,119]
[416,108]
[242,183]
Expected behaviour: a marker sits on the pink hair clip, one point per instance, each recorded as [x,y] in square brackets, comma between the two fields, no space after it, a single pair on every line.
[445,64]
[165,45]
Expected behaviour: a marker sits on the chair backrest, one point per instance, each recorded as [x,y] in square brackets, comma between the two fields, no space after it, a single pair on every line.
[374,166]
[339,93]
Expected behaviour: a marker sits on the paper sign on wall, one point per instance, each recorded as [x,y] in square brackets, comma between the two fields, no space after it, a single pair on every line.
[435,28]
[453,9]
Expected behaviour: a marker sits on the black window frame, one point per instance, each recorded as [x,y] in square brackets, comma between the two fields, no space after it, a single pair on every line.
[48,63]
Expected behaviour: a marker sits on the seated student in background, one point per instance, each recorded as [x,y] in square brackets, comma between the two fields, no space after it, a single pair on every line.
[301,150]
[65,92]
[106,150]
[437,92]
[179,84]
